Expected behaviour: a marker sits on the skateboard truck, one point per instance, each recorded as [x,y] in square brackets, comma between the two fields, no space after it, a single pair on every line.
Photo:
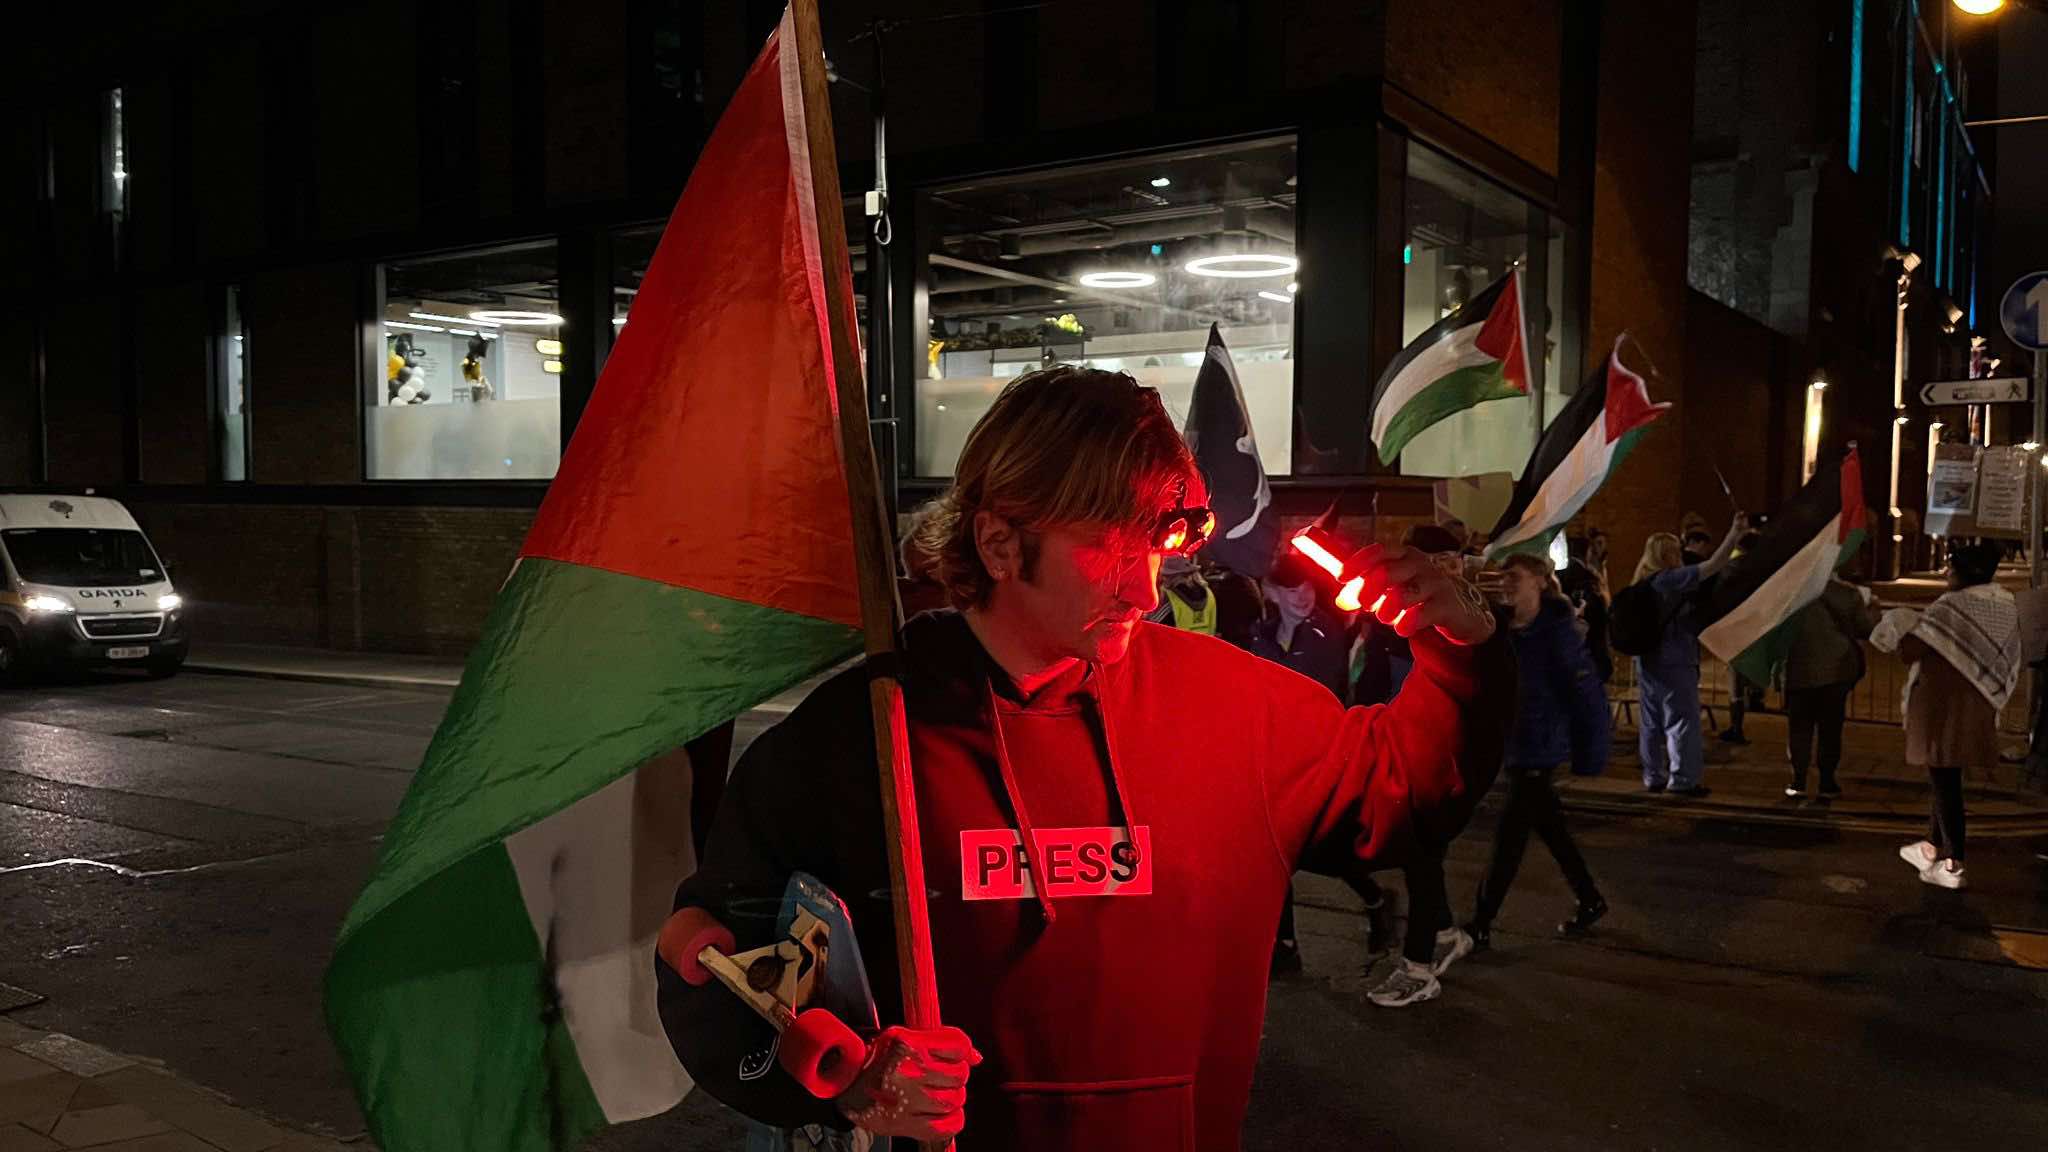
[815,1047]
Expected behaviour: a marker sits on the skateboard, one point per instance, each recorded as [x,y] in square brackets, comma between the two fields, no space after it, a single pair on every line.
[809,986]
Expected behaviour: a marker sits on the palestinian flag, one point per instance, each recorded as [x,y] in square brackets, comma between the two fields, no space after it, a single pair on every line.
[1584,444]
[1742,610]
[493,988]
[1478,353]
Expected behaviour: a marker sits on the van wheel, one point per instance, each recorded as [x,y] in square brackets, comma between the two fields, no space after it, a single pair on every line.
[10,656]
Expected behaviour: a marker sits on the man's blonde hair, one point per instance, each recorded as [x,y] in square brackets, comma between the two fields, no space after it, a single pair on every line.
[1061,446]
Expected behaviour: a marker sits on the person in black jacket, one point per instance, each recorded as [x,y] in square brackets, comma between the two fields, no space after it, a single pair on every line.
[1587,590]
[1562,716]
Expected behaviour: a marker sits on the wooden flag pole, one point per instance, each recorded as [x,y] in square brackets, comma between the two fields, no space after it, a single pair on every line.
[873,554]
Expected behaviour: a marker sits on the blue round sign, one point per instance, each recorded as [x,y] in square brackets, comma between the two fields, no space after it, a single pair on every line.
[2024,311]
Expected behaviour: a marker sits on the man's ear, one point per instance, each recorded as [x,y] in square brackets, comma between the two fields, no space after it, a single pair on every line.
[997,541]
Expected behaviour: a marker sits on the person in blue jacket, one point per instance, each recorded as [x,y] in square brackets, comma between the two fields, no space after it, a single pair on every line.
[1562,716]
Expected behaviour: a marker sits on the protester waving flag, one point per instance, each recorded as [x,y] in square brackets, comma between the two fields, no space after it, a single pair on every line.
[1219,432]
[494,986]
[1584,444]
[1789,567]
[1478,353]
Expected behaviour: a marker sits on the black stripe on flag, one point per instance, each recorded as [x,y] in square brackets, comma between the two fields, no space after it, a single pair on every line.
[1566,430]
[1473,311]
[1793,528]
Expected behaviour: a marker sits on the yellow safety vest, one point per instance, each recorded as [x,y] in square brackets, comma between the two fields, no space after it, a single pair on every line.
[1189,618]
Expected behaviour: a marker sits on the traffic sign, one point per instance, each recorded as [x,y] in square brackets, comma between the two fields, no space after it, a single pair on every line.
[1993,390]
[2024,311]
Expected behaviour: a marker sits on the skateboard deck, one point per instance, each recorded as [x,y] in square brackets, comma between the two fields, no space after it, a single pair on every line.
[811,960]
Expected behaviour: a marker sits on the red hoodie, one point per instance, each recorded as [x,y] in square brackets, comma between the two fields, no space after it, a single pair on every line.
[1118,1005]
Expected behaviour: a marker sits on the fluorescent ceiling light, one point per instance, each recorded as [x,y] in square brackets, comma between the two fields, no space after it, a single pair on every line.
[618,321]
[1276,297]
[1160,181]
[1244,266]
[516,318]
[414,327]
[462,331]
[1118,279]
[435,318]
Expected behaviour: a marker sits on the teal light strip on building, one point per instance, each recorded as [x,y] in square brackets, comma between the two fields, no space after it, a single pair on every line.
[1940,182]
[1907,116]
[1855,84]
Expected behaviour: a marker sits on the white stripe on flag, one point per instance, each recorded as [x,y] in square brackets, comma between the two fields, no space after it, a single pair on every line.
[1795,585]
[598,879]
[1566,490]
[1459,350]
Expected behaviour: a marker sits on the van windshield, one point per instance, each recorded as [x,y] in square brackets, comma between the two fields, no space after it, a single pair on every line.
[87,557]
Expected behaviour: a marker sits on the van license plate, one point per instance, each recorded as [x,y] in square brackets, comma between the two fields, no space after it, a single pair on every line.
[128,653]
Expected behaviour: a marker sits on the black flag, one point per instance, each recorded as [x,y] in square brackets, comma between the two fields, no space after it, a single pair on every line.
[1219,432]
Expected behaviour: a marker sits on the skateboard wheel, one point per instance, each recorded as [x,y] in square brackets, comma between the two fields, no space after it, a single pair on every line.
[822,1053]
[688,933]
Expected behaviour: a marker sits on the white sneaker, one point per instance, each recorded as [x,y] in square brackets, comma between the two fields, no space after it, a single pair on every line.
[1452,945]
[1921,854]
[1947,874]
[1409,983]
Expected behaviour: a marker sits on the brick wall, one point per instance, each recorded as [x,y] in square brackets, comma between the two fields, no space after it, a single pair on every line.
[1492,65]
[1641,177]
[1732,382]
[386,579]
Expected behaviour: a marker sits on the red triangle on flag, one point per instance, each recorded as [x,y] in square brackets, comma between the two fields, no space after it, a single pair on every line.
[1855,516]
[1502,336]
[707,457]
[1628,398]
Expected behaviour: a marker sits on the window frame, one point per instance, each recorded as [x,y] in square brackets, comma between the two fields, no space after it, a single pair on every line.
[371,358]
[910,318]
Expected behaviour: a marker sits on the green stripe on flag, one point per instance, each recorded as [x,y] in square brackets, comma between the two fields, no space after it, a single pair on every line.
[583,675]
[440,996]
[1455,392]
[455,959]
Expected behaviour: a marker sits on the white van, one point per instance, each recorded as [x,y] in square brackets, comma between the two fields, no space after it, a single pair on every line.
[80,586]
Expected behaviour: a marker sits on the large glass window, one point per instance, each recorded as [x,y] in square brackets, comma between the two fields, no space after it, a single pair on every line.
[1121,265]
[470,383]
[231,404]
[1463,233]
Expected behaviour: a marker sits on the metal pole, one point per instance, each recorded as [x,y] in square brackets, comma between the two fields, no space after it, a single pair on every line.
[2034,486]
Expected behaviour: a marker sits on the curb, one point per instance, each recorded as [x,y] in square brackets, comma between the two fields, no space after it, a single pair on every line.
[354,679]
[1994,825]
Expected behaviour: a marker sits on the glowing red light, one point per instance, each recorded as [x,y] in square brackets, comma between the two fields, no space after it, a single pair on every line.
[1348,596]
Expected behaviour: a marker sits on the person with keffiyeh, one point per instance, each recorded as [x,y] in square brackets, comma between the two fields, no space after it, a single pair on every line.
[1963,662]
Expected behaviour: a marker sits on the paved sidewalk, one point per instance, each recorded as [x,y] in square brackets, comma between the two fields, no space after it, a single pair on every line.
[58,1093]
[1748,781]
[1878,789]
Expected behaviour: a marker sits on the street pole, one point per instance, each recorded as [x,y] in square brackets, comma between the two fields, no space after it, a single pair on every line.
[2040,437]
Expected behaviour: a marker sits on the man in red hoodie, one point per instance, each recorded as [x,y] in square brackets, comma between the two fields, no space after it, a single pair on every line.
[1109,809]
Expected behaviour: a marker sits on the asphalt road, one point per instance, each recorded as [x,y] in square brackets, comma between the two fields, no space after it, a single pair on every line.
[175,858]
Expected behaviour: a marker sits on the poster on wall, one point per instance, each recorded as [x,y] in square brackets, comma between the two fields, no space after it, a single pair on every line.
[1952,490]
[2002,492]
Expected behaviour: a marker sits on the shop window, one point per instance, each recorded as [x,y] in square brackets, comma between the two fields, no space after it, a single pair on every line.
[469,385]
[1121,265]
[231,403]
[1462,233]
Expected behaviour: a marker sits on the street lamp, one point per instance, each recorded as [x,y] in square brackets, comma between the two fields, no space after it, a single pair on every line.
[1980,7]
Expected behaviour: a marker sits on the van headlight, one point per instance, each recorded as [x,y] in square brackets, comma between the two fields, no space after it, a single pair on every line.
[47,604]
[169,603]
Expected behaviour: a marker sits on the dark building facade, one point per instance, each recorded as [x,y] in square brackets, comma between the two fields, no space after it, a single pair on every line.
[1829,140]
[321,292]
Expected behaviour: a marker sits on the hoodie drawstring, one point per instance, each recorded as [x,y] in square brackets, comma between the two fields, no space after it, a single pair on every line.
[1025,830]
